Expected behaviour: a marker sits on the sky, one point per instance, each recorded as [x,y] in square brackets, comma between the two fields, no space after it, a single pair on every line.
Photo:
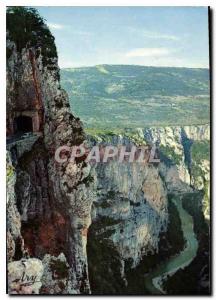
[149,36]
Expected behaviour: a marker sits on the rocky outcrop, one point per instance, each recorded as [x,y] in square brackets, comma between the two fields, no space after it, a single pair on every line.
[185,158]
[134,197]
[56,279]
[49,211]
[70,221]
[14,238]
[24,276]
[128,215]
[130,209]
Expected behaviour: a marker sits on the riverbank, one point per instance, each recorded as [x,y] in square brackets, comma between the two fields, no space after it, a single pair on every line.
[198,272]
[171,242]
[154,280]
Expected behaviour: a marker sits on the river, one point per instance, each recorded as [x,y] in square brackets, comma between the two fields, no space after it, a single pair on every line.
[153,280]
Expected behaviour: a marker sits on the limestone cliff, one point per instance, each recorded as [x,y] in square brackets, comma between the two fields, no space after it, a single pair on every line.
[128,216]
[129,213]
[70,222]
[48,203]
[185,158]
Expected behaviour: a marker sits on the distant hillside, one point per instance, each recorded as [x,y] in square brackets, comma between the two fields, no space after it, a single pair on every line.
[110,96]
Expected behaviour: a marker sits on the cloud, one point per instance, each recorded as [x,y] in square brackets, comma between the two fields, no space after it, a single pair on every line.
[148,52]
[157,35]
[55,26]
[154,34]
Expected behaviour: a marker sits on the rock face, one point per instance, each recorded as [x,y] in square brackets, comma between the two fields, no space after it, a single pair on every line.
[134,196]
[132,200]
[61,214]
[185,158]
[48,204]
[128,216]
[14,239]
[24,276]
[130,213]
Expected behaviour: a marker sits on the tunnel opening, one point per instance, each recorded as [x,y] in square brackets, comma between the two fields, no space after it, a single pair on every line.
[23,124]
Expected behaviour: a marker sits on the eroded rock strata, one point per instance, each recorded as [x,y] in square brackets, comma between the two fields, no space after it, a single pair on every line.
[130,217]
[48,203]
[72,221]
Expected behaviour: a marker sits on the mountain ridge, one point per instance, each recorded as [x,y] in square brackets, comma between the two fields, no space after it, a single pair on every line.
[145,66]
[136,96]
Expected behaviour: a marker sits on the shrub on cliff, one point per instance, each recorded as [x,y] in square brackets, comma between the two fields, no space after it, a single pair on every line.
[28,29]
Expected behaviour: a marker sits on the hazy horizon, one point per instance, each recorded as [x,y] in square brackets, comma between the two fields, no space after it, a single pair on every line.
[147,66]
[146,36]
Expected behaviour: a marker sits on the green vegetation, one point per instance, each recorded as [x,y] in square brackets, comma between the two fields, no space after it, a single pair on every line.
[174,233]
[101,132]
[188,281]
[59,268]
[111,194]
[106,135]
[9,171]
[120,96]
[171,154]
[103,204]
[103,259]
[87,180]
[206,200]
[200,150]
[135,137]
[104,222]
[28,29]
[196,171]
[171,242]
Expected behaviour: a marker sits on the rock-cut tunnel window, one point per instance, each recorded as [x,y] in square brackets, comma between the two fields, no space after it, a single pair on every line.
[23,124]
